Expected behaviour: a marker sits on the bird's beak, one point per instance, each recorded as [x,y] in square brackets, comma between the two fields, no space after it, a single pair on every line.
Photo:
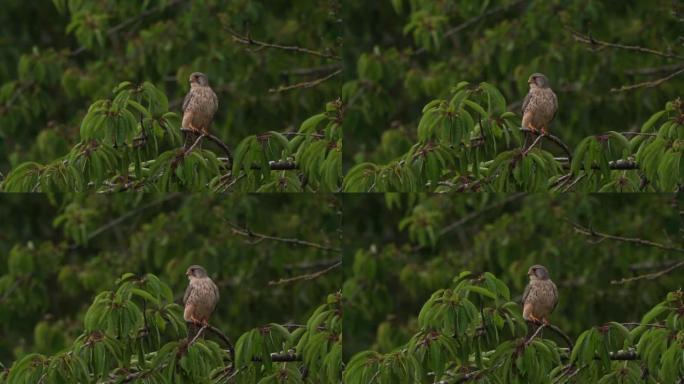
[530,81]
[188,273]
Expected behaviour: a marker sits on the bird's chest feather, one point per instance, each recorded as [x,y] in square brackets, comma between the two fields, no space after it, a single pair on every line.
[541,294]
[542,103]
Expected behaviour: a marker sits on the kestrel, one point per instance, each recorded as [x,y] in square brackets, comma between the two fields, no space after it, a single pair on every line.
[200,297]
[540,104]
[199,105]
[540,297]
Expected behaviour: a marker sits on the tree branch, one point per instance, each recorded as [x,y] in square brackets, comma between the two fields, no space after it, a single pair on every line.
[649,276]
[553,139]
[129,214]
[308,276]
[649,84]
[305,84]
[590,232]
[588,39]
[248,233]
[249,41]
[477,213]
[216,140]
[526,151]
[555,329]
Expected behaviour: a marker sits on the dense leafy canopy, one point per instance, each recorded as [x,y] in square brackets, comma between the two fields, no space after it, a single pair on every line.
[414,125]
[414,315]
[92,101]
[91,288]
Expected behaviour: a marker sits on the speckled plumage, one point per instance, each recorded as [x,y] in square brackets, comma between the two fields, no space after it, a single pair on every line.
[540,297]
[540,105]
[199,105]
[200,297]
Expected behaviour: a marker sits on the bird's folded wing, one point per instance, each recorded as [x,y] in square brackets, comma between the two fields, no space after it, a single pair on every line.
[187,99]
[216,292]
[187,293]
[524,104]
[555,295]
[525,294]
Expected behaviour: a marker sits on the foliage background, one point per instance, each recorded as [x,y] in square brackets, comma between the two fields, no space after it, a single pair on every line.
[402,54]
[396,255]
[49,274]
[73,53]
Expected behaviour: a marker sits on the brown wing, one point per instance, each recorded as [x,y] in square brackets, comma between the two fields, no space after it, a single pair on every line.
[187,100]
[188,290]
[211,286]
[526,101]
[555,294]
[525,294]
[215,100]
[555,105]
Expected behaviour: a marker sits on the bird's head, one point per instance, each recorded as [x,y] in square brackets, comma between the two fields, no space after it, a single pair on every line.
[537,80]
[196,271]
[199,78]
[538,272]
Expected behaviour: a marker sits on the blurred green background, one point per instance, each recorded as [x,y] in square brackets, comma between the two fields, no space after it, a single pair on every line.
[399,248]
[402,54]
[58,57]
[57,254]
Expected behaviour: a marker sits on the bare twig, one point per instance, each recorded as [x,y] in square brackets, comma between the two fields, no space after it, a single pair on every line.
[474,214]
[199,138]
[649,276]
[574,182]
[305,84]
[248,233]
[592,233]
[562,334]
[529,340]
[308,276]
[555,329]
[648,84]
[528,149]
[197,335]
[586,39]
[249,41]
[216,140]
[225,339]
[553,139]
[130,214]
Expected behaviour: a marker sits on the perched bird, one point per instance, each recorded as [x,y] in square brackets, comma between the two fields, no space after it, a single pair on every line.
[199,105]
[540,104]
[540,297]
[200,297]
